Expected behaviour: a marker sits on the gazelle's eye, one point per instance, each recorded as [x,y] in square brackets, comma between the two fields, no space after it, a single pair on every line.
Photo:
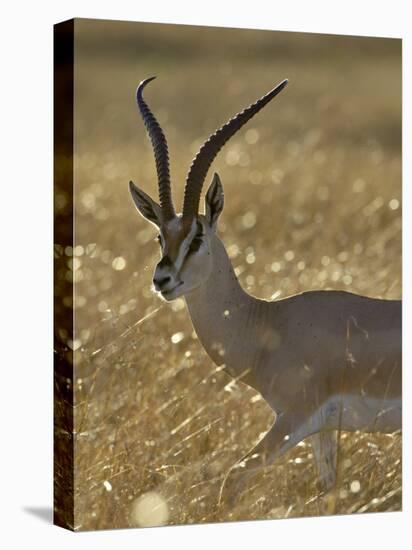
[196,243]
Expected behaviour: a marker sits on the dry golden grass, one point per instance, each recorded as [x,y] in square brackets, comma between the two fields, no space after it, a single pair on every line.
[313,200]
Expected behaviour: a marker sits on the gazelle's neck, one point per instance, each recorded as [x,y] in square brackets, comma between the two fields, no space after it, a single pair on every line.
[226,319]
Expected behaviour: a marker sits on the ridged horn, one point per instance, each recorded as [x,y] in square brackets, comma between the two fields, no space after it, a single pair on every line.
[160,150]
[207,153]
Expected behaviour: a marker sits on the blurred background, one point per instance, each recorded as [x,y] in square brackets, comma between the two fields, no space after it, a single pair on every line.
[312,201]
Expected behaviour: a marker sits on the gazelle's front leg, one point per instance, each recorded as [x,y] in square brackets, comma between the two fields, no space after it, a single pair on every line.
[325,447]
[283,436]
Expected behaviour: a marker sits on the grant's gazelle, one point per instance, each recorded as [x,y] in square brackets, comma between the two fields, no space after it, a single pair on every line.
[323,360]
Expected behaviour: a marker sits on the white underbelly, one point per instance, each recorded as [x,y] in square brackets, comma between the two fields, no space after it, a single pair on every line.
[356,412]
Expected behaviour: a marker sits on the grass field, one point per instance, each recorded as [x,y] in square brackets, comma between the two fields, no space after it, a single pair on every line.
[313,201]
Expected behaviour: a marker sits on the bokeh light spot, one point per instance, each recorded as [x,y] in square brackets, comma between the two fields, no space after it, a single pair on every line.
[177,337]
[252,136]
[355,486]
[149,510]
[119,263]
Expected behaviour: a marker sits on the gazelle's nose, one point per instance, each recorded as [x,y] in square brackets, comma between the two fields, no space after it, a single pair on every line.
[161,281]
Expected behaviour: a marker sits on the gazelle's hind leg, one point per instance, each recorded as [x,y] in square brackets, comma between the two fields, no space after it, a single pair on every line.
[325,446]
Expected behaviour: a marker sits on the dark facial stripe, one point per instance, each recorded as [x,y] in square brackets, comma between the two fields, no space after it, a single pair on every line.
[175,257]
[165,262]
[197,239]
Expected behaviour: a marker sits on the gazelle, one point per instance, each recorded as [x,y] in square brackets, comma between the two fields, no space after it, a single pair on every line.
[323,360]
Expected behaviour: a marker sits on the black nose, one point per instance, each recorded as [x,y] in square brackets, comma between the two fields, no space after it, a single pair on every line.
[161,281]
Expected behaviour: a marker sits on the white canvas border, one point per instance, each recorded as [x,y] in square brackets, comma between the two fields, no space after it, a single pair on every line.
[26,270]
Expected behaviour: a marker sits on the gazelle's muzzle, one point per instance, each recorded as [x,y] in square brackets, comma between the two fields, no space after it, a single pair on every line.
[164,278]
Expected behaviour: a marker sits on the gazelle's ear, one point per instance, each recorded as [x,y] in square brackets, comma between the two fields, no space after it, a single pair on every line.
[147,207]
[214,201]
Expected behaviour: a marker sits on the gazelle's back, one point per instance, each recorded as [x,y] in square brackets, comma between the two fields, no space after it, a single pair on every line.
[336,342]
